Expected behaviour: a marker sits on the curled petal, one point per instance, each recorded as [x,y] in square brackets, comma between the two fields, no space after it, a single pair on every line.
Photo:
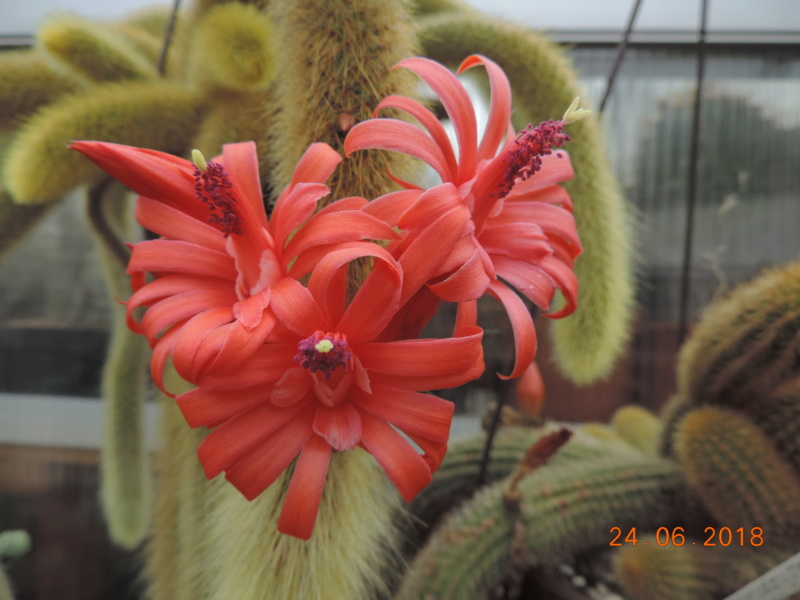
[499,107]
[317,164]
[522,326]
[530,280]
[425,364]
[456,102]
[301,505]
[389,207]
[468,282]
[428,120]
[398,136]
[338,227]
[179,307]
[567,283]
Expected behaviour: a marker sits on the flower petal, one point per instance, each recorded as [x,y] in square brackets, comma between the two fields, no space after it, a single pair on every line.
[425,364]
[213,407]
[414,413]
[294,209]
[291,387]
[162,256]
[338,227]
[295,307]
[398,136]
[150,173]
[521,324]
[530,280]
[428,120]
[339,425]
[499,107]
[241,162]
[468,282]
[389,207]
[264,463]
[301,505]
[457,103]
[242,434]
[176,224]
[407,470]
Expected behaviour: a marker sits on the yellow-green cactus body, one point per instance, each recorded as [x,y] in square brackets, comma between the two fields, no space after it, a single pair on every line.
[740,476]
[745,345]
[233,48]
[27,81]
[158,115]
[93,51]
[586,344]
[637,426]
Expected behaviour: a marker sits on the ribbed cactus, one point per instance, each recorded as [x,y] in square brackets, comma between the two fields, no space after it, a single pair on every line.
[587,344]
[457,478]
[746,345]
[739,475]
[654,570]
[565,508]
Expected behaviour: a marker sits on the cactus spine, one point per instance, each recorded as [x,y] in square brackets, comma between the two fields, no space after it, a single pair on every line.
[587,344]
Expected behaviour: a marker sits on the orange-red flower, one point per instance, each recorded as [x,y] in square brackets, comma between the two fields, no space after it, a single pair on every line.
[324,381]
[219,258]
[520,231]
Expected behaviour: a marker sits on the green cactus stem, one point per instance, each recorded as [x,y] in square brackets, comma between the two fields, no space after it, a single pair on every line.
[125,487]
[740,476]
[745,345]
[457,478]
[565,508]
[587,344]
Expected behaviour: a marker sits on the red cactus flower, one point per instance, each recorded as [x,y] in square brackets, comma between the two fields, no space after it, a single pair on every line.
[219,258]
[325,381]
[521,231]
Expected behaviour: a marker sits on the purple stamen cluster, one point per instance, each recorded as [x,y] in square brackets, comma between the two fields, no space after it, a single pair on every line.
[212,187]
[311,358]
[524,158]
